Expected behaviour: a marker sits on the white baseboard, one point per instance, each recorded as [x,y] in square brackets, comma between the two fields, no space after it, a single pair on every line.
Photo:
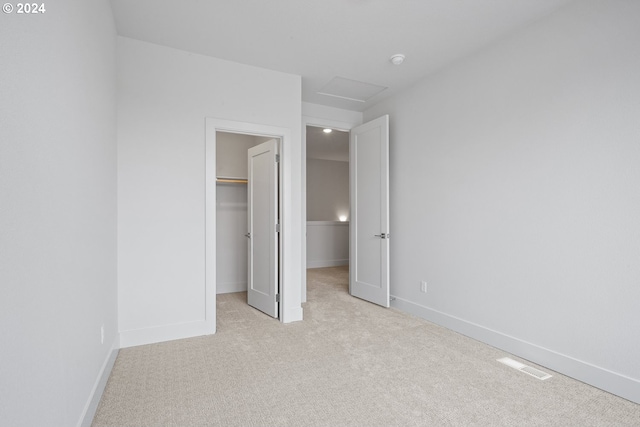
[229,287]
[327,263]
[164,333]
[612,382]
[98,388]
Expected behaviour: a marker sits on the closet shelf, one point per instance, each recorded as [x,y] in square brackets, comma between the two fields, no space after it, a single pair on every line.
[229,180]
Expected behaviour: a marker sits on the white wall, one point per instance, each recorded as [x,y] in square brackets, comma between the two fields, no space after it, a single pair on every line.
[321,115]
[231,226]
[515,193]
[327,244]
[57,212]
[327,190]
[164,96]
[231,153]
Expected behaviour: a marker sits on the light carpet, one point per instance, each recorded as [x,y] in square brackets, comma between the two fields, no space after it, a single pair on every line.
[349,363]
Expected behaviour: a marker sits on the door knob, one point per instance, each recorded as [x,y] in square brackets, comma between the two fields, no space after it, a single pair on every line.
[248,235]
[382,235]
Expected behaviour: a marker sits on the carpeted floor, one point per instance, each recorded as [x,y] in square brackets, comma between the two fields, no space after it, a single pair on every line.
[349,363]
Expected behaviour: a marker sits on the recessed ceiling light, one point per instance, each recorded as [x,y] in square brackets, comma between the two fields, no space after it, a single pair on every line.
[327,130]
[397,59]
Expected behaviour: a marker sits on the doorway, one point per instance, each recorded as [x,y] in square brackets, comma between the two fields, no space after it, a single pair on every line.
[247,212]
[327,201]
[289,308]
[316,124]
[368,209]
[231,209]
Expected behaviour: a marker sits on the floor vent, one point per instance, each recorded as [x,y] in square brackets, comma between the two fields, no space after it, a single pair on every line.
[524,368]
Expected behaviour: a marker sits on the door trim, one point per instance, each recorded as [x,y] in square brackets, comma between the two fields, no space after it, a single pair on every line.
[290,310]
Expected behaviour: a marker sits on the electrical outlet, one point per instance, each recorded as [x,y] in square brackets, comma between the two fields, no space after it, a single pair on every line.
[423,286]
[102,334]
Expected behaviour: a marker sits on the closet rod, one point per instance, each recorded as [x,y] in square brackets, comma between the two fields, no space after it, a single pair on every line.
[231,180]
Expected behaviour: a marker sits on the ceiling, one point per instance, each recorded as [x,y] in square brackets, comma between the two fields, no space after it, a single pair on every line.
[323,39]
[327,146]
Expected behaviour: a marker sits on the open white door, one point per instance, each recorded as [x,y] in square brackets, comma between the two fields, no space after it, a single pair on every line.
[369,234]
[263,236]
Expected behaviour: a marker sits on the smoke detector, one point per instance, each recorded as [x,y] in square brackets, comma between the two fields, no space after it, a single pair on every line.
[397,59]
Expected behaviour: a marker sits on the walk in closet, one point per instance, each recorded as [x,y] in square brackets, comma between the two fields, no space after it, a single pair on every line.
[231,209]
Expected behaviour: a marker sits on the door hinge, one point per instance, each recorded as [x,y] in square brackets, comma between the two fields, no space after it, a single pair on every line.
[277,228]
[277,297]
[277,158]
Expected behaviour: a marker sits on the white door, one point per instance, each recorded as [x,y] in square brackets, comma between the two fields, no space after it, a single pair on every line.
[369,236]
[263,237]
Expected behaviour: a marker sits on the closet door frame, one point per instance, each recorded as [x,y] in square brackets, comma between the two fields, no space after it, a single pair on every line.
[290,309]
